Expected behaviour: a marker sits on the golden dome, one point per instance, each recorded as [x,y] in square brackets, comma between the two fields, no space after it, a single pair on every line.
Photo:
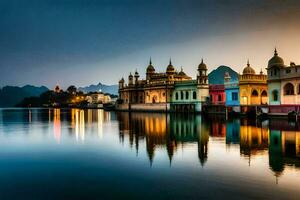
[181,73]
[202,66]
[170,68]
[275,60]
[248,69]
[150,68]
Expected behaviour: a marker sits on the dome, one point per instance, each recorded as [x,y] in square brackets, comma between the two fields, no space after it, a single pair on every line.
[122,80]
[181,73]
[136,73]
[170,67]
[150,68]
[202,66]
[275,60]
[248,69]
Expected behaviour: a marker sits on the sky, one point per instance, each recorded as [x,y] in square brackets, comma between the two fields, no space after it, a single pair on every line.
[83,42]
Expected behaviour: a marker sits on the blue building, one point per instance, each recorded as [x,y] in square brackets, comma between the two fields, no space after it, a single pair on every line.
[232,93]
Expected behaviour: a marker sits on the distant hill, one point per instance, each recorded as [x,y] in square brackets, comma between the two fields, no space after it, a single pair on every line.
[217,75]
[111,89]
[12,95]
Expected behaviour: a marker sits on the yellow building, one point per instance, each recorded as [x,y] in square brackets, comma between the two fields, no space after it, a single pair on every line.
[253,87]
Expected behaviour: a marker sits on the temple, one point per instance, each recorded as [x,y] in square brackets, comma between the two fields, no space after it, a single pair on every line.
[167,91]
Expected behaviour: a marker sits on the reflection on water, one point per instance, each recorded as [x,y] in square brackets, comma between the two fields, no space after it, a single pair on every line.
[214,140]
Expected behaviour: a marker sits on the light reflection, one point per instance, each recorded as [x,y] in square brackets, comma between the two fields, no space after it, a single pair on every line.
[80,125]
[100,123]
[57,125]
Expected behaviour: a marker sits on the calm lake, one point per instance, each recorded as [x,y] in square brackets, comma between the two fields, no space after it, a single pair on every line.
[93,154]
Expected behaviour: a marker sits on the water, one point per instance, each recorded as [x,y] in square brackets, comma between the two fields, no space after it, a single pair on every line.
[80,154]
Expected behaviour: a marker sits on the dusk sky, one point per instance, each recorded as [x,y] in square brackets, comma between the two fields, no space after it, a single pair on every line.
[83,42]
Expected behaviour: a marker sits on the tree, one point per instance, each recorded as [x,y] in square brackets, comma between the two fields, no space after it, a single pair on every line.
[72,90]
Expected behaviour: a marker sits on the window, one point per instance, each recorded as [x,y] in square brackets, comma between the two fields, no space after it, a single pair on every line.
[275,72]
[288,89]
[181,94]
[254,93]
[219,97]
[176,95]
[234,96]
[287,71]
[264,93]
[194,95]
[275,95]
[187,95]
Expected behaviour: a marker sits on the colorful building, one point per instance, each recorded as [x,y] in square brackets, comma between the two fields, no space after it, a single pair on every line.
[283,82]
[253,87]
[169,91]
[232,91]
[217,94]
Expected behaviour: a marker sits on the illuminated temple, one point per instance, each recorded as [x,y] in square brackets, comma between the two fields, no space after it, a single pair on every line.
[164,91]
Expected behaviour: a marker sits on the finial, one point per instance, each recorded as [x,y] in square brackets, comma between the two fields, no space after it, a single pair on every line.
[261,71]
[275,52]
[181,69]
[150,61]
[201,60]
[170,63]
[248,64]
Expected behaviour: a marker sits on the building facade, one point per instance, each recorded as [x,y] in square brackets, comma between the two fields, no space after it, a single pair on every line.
[253,87]
[283,82]
[167,91]
[217,94]
[232,91]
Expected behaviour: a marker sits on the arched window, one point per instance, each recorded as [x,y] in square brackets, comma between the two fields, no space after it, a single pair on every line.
[288,89]
[194,95]
[181,94]
[264,93]
[187,95]
[176,95]
[275,95]
[254,93]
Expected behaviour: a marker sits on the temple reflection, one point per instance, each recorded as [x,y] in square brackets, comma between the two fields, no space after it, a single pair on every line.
[162,130]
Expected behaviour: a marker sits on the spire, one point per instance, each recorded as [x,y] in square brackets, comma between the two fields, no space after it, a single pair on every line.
[170,63]
[181,69]
[248,64]
[150,62]
[275,52]
[201,60]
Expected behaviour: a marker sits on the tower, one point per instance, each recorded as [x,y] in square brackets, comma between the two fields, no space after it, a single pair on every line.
[121,83]
[202,73]
[136,77]
[130,79]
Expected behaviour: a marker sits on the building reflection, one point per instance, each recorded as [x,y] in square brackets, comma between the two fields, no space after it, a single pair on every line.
[167,131]
[253,138]
[277,139]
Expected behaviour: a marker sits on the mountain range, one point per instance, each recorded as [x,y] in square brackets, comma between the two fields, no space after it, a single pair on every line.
[111,89]
[12,95]
[217,75]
